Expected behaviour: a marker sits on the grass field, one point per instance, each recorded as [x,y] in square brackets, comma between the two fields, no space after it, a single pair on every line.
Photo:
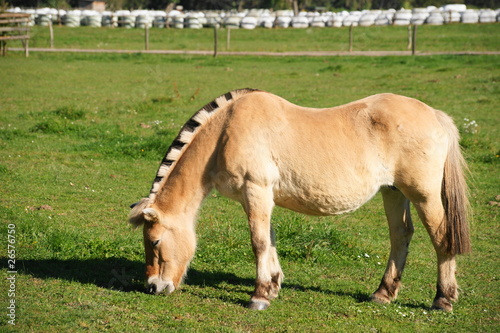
[81,138]
[449,38]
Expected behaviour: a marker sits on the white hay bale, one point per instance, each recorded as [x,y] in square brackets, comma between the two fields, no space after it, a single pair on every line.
[43,19]
[266,22]
[249,22]
[192,22]
[232,21]
[470,16]
[72,19]
[487,16]
[367,19]
[317,22]
[300,22]
[382,19]
[127,21]
[451,16]
[459,8]
[419,15]
[283,21]
[435,18]
[336,20]
[352,19]
[402,17]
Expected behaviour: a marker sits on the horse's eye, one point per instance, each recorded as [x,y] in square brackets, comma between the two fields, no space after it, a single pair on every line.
[156,242]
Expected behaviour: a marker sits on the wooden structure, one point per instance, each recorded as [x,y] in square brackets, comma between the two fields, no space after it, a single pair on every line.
[98,6]
[14,26]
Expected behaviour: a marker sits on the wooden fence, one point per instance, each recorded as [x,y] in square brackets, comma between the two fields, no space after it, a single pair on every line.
[14,26]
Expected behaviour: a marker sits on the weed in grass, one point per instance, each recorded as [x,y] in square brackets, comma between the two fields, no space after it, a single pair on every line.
[10,133]
[162,100]
[54,127]
[70,113]
[331,68]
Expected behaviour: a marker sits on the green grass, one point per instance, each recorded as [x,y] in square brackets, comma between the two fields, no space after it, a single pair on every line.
[73,156]
[452,38]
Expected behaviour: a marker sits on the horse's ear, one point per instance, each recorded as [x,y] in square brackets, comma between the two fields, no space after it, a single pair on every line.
[136,217]
[151,215]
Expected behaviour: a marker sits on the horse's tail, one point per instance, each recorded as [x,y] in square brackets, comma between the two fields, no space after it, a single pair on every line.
[454,193]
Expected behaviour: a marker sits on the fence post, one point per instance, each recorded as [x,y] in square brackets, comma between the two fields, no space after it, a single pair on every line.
[215,40]
[228,39]
[414,40]
[51,32]
[350,38]
[410,42]
[146,36]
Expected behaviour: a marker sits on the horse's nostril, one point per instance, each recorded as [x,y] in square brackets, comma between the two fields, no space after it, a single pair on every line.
[152,289]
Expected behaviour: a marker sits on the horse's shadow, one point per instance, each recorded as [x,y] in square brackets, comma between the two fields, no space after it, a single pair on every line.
[118,273]
[110,273]
[127,276]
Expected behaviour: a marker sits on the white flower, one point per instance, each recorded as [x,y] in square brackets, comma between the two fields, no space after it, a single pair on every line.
[155,122]
[470,126]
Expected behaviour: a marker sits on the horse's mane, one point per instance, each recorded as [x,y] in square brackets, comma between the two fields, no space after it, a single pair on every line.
[188,133]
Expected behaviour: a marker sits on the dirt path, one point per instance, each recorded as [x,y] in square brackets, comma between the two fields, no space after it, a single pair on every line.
[272,54]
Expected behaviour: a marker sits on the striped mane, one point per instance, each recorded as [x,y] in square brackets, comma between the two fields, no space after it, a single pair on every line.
[188,133]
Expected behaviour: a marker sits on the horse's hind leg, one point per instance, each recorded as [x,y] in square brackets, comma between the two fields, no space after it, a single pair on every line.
[431,212]
[397,210]
[258,206]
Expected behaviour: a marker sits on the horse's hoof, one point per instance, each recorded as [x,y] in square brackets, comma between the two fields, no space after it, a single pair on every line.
[380,299]
[442,304]
[258,305]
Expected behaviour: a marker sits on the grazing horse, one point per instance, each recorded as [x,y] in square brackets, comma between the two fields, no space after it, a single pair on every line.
[261,150]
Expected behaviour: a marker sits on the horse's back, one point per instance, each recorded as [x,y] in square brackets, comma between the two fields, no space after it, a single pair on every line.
[324,161]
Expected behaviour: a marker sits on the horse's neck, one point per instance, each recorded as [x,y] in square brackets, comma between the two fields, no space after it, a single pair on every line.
[188,183]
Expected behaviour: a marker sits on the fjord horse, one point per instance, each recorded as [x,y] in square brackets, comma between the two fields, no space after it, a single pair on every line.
[262,151]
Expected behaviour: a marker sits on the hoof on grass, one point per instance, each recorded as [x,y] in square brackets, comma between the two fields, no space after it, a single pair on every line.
[258,305]
[442,304]
[380,299]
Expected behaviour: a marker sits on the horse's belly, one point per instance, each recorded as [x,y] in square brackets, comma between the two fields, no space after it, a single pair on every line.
[317,202]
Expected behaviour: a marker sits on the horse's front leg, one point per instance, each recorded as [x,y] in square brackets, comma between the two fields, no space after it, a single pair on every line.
[258,206]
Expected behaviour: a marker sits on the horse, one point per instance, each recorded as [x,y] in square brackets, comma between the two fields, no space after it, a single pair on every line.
[262,150]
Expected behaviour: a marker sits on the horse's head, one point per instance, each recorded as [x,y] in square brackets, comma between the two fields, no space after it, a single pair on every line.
[168,245]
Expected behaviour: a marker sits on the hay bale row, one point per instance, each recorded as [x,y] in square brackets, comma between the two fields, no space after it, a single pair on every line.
[252,19]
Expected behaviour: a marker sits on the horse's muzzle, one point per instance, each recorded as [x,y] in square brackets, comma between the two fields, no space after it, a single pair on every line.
[151,289]
[157,286]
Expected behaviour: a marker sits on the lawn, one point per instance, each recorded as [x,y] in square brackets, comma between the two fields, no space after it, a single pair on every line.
[81,138]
